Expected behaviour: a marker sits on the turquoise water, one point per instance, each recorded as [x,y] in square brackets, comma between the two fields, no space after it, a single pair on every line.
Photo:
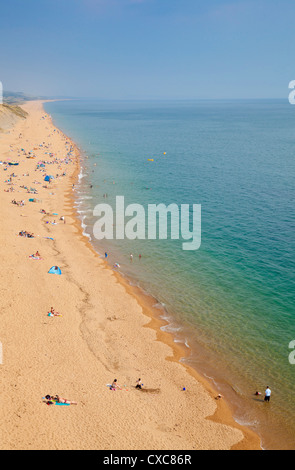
[232,300]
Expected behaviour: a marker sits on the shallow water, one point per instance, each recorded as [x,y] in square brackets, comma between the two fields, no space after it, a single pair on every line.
[233,299]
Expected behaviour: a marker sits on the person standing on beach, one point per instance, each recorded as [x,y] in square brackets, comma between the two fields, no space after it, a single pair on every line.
[139,384]
[267,394]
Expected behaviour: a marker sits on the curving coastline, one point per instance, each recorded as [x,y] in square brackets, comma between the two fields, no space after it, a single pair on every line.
[111,329]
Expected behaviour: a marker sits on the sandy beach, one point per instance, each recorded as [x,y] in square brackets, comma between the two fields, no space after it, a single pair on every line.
[107,329]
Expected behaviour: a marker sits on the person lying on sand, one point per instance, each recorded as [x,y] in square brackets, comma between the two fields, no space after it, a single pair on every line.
[64,400]
[51,400]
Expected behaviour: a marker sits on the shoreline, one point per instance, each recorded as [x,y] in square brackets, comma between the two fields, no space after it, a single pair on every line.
[223,413]
[234,436]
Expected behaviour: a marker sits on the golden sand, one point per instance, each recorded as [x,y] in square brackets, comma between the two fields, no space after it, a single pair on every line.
[107,330]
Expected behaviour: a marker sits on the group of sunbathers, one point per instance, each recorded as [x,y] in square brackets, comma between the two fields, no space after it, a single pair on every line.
[19,203]
[26,234]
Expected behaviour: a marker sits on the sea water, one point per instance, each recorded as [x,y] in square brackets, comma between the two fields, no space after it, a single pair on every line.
[231,301]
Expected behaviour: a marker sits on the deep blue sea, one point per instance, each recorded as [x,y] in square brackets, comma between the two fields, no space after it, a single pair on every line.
[232,300]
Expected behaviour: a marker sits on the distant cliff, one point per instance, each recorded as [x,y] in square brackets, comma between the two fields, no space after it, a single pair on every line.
[10,115]
[13,97]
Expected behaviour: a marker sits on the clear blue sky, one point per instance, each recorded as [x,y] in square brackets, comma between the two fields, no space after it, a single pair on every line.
[148,49]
